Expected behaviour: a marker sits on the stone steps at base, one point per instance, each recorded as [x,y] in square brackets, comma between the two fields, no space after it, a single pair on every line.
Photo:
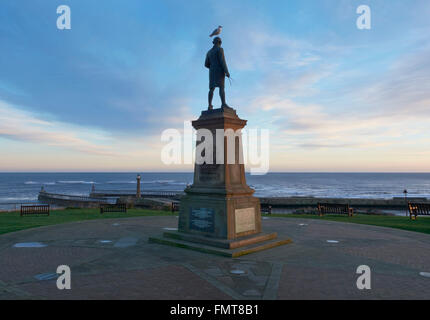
[231,253]
[221,243]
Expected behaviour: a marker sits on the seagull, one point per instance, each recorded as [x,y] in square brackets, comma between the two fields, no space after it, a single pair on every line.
[216,32]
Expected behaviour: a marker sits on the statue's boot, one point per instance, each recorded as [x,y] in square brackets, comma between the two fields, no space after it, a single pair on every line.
[225,105]
[210,107]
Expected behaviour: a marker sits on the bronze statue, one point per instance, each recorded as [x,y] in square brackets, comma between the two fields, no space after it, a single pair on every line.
[215,62]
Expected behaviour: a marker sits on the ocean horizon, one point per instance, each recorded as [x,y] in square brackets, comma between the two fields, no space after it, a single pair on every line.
[24,187]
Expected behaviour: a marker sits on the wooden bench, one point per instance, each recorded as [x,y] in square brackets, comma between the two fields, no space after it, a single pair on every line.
[34,209]
[265,208]
[418,209]
[174,206]
[106,207]
[335,208]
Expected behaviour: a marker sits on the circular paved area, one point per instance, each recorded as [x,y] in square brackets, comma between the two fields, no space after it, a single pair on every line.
[128,267]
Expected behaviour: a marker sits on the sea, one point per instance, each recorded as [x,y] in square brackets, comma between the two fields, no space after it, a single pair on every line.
[17,188]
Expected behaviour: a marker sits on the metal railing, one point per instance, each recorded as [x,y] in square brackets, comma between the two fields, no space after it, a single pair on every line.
[147,193]
[69,197]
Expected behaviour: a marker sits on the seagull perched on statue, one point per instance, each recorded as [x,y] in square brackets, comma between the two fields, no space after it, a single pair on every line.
[216,32]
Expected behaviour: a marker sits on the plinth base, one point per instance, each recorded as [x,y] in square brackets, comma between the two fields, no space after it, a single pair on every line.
[222,247]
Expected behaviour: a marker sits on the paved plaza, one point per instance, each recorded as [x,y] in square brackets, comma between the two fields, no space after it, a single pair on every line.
[112,259]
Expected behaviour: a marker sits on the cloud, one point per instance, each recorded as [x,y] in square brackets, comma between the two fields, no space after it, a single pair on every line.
[391,110]
[19,125]
[259,48]
[318,85]
[405,87]
[76,147]
[93,75]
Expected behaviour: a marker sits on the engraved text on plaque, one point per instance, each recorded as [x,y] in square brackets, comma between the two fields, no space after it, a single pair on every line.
[245,219]
[202,219]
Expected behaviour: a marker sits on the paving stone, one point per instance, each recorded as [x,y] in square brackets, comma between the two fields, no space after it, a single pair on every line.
[132,268]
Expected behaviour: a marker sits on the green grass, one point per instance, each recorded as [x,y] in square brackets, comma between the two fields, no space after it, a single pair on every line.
[422,224]
[12,221]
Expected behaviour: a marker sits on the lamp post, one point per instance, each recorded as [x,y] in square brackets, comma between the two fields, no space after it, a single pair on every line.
[405,192]
[138,186]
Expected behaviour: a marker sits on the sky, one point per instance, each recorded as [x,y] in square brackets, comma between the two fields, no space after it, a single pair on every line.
[97,97]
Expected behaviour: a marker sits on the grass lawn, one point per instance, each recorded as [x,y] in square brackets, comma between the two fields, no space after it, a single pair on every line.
[422,224]
[12,221]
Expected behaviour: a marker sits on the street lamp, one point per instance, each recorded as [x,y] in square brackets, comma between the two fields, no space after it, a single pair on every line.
[138,186]
[405,192]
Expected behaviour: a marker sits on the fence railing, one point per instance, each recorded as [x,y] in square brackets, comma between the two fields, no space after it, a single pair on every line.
[147,193]
[69,197]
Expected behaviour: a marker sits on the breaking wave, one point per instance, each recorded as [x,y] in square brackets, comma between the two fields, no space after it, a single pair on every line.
[75,182]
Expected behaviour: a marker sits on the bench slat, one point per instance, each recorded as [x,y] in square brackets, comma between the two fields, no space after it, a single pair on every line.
[34,209]
[113,208]
[334,208]
[418,209]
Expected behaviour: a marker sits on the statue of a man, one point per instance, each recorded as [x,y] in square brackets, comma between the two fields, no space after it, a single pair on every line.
[215,62]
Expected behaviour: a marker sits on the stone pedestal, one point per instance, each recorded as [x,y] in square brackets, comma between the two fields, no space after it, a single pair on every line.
[219,213]
[220,204]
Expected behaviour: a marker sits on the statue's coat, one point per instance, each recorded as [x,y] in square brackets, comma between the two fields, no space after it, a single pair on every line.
[215,62]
